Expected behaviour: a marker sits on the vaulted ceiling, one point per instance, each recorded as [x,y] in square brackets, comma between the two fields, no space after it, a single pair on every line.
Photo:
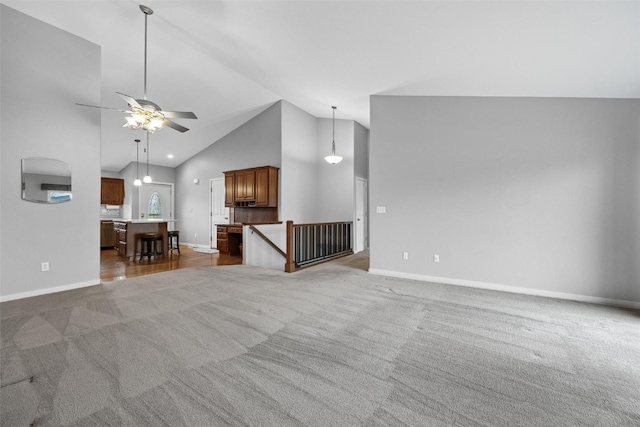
[229,60]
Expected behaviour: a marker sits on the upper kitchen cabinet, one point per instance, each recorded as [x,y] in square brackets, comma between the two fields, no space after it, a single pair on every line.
[112,191]
[229,189]
[267,187]
[245,183]
[254,187]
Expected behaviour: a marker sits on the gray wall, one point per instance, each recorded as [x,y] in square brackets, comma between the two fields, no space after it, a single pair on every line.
[44,72]
[298,180]
[530,193]
[361,151]
[336,183]
[255,143]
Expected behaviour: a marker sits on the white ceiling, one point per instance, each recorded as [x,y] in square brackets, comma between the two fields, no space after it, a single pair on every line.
[229,60]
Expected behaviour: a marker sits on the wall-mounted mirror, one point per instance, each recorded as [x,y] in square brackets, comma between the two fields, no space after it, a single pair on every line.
[45,180]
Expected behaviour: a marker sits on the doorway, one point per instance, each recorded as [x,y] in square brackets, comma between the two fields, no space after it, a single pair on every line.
[219,213]
[361,226]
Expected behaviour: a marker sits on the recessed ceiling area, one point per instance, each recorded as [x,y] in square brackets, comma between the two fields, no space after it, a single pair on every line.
[229,60]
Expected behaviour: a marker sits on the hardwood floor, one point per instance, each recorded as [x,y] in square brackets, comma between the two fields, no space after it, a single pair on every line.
[114,267]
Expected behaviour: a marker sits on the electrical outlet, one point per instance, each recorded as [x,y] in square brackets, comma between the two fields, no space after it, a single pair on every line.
[405,255]
[195,234]
[436,258]
[44,266]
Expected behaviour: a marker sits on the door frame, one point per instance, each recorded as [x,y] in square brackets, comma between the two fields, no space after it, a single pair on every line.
[213,237]
[365,216]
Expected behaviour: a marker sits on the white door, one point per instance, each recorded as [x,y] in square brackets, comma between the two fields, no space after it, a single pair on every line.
[219,214]
[155,200]
[361,215]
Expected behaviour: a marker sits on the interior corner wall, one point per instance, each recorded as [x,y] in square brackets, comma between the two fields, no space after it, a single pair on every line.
[336,183]
[361,151]
[44,72]
[298,183]
[525,193]
[255,143]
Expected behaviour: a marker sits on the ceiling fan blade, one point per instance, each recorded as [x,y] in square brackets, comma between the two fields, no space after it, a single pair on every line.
[129,100]
[179,114]
[104,108]
[175,126]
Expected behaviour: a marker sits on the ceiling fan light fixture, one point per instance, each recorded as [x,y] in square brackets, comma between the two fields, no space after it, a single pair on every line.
[144,114]
[156,122]
[148,120]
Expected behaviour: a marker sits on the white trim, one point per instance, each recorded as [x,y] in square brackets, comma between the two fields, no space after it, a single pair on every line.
[506,288]
[194,245]
[46,291]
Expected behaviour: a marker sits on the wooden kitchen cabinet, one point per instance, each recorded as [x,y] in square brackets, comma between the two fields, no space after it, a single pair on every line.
[229,238]
[245,182]
[120,233]
[107,235]
[111,191]
[222,239]
[266,190]
[254,187]
[229,189]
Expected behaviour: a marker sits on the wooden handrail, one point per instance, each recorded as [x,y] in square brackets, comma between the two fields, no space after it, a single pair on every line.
[289,265]
[313,224]
[266,239]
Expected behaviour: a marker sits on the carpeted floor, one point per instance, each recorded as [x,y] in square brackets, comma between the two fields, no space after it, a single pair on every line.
[328,346]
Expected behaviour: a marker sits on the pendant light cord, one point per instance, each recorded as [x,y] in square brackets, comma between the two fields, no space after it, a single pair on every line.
[147,153]
[333,143]
[137,159]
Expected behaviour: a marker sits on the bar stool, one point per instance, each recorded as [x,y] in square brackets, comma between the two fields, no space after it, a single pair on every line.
[149,245]
[171,235]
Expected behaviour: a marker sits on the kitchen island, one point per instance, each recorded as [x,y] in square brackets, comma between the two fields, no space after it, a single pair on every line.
[125,232]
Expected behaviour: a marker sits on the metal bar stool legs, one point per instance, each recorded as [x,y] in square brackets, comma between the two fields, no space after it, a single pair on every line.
[149,246]
[174,234]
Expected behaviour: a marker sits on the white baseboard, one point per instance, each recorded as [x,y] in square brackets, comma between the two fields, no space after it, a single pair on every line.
[35,293]
[194,245]
[506,288]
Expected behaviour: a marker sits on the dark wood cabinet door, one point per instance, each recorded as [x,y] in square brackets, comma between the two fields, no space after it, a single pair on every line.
[262,187]
[239,186]
[229,198]
[106,235]
[112,191]
[250,185]
[267,187]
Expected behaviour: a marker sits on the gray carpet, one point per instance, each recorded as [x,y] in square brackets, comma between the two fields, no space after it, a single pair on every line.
[328,346]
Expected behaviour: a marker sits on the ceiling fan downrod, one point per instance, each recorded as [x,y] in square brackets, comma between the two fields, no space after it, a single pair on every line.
[147,11]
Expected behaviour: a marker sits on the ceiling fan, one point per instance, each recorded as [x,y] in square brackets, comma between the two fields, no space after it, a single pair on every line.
[144,114]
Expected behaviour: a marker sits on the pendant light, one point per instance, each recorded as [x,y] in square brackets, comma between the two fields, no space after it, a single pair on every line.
[147,178]
[137,181]
[333,159]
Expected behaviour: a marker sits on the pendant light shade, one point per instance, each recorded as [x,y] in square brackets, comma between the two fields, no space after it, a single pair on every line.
[137,181]
[147,178]
[333,159]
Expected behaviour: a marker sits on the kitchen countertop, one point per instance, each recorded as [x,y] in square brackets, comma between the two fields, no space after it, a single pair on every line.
[240,224]
[137,221]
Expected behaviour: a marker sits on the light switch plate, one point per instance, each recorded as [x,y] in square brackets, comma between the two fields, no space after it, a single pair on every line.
[381,209]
